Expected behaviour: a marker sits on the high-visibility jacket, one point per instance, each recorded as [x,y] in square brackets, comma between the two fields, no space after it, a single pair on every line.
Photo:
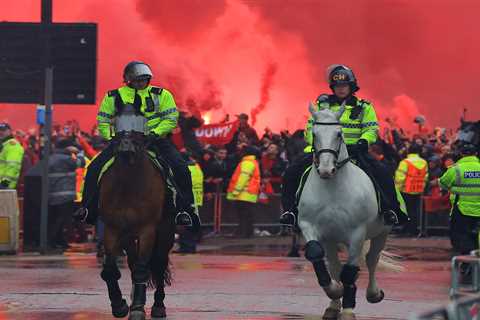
[463,181]
[81,172]
[245,182]
[359,120]
[157,105]
[412,174]
[11,156]
[197,184]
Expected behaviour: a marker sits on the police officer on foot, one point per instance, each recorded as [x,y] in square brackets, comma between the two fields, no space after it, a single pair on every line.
[158,107]
[463,181]
[360,129]
[11,156]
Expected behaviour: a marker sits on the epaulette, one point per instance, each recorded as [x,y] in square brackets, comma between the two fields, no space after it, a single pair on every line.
[156,90]
[363,101]
[113,93]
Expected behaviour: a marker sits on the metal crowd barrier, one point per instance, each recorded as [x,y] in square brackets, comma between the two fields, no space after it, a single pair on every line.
[463,309]
[472,262]
[217,212]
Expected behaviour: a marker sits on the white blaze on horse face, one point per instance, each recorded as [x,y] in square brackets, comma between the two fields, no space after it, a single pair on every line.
[326,137]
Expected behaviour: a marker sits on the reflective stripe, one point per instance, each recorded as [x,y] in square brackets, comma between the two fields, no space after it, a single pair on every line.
[350,135]
[467,185]
[463,193]
[167,112]
[7,177]
[10,162]
[105,115]
[458,176]
[104,121]
[63,193]
[62,174]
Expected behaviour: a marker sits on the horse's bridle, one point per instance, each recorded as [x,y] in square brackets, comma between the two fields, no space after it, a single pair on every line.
[336,153]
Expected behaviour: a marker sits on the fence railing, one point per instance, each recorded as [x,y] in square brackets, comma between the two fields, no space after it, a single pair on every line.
[462,309]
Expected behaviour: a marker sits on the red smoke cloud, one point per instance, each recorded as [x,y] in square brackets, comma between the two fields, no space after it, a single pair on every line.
[267,81]
[410,56]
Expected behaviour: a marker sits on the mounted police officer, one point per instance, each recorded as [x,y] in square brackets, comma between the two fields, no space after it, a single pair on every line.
[360,129]
[157,105]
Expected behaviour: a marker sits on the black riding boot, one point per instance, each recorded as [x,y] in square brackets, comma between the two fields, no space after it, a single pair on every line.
[183,180]
[291,181]
[88,212]
[390,208]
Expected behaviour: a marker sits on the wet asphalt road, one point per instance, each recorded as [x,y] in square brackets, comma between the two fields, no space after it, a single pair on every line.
[229,279]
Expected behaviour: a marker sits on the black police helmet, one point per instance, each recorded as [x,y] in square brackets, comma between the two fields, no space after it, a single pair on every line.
[341,74]
[468,148]
[137,70]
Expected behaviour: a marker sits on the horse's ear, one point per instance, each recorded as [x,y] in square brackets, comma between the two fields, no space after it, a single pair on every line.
[311,108]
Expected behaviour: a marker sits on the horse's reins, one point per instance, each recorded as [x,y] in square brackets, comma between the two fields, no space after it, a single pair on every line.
[336,153]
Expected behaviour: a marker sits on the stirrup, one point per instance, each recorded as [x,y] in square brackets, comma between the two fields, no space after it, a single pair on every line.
[390,217]
[288,218]
[183,218]
[81,214]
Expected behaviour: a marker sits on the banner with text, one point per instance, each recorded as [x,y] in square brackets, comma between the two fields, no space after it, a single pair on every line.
[216,134]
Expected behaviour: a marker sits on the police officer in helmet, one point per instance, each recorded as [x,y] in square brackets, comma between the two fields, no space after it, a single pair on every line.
[157,105]
[360,129]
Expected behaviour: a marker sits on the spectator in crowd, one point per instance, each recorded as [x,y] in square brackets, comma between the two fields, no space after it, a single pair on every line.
[272,166]
[411,178]
[187,123]
[216,171]
[245,134]
[11,156]
[62,167]
[244,188]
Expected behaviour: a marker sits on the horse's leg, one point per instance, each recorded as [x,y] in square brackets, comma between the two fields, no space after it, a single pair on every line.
[141,272]
[315,254]
[349,274]
[111,274]
[334,265]
[374,294]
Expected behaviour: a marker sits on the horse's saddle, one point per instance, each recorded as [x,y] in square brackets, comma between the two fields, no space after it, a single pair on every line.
[160,164]
[378,192]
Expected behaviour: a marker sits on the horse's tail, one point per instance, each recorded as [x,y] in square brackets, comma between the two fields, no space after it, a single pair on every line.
[160,273]
[388,261]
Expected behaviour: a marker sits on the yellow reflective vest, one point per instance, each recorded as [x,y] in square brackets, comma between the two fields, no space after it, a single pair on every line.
[11,157]
[463,181]
[412,174]
[157,105]
[197,184]
[245,182]
[359,120]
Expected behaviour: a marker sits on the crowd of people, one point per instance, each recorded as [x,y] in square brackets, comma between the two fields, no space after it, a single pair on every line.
[273,151]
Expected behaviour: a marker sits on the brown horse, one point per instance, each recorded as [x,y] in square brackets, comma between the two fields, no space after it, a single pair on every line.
[134,209]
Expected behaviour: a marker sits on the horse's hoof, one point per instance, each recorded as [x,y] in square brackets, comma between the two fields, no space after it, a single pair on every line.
[376,298]
[121,310]
[159,313]
[293,254]
[334,291]
[331,314]
[137,315]
[347,316]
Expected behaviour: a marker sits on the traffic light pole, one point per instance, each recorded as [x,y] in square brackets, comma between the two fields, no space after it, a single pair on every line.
[47,129]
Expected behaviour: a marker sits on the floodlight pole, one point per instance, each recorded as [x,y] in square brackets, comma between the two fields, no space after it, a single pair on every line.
[47,128]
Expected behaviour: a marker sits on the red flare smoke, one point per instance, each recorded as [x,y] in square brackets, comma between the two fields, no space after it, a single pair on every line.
[267,81]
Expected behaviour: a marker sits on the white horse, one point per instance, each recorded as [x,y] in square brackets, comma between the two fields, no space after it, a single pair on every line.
[338,206]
